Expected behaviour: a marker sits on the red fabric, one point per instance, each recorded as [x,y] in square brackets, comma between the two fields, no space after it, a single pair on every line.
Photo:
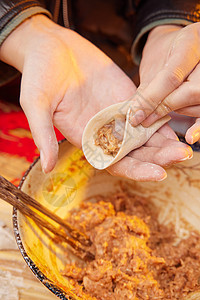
[12,144]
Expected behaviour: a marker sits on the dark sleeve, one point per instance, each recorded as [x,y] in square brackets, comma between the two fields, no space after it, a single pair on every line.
[13,13]
[152,13]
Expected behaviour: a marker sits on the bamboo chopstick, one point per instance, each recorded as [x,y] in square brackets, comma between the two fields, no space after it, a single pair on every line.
[20,200]
[81,237]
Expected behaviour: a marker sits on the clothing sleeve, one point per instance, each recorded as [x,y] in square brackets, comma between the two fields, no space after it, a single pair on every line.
[152,13]
[14,12]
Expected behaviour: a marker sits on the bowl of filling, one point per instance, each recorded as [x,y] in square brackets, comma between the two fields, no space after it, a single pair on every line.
[145,235]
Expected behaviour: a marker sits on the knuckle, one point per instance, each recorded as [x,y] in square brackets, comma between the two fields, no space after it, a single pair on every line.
[146,104]
[150,105]
[176,77]
[153,103]
[160,111]
[166,106]
[163,109]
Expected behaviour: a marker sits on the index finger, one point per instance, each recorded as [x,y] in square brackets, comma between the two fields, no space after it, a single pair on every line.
[183,58]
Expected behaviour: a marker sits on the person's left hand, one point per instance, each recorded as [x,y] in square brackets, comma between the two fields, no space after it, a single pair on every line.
[169,77]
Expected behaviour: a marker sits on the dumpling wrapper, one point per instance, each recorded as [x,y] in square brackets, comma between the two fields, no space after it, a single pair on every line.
[134,137]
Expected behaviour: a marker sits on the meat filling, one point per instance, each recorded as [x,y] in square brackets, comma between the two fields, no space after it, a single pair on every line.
[135,256]
[110,136]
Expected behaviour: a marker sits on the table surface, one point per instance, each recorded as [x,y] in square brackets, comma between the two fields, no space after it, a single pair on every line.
[17,282]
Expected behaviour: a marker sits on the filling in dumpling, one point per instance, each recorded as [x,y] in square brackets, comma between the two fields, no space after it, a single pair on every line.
[110,136]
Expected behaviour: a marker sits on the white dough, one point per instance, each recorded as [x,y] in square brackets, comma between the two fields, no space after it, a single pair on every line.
[134,137]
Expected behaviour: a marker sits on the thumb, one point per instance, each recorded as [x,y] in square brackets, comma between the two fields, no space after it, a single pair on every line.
[40,121]
[193,133]
[183,57]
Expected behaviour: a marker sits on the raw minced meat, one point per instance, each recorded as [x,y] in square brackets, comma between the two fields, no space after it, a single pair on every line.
[135,256]
[109,137]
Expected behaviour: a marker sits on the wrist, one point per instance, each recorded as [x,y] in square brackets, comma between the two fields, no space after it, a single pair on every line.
[17,44]
[165,28]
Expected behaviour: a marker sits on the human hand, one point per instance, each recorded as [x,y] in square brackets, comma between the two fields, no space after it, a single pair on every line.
[169,76]
[147,162]
[65,81]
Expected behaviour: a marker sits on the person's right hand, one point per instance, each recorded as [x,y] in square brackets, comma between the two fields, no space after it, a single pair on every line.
[169,77]
[65,81]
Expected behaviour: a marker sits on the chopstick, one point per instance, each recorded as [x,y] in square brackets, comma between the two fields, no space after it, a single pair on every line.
[22,201]
[81,237]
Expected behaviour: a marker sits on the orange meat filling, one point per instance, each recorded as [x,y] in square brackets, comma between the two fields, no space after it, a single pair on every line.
[110,136]
[135,256]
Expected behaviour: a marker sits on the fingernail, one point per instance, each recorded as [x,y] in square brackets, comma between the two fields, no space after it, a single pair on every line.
[190,153]
[165,176]
[137,118]
[185,158]
[195,137]
[43,163]
[190,156]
